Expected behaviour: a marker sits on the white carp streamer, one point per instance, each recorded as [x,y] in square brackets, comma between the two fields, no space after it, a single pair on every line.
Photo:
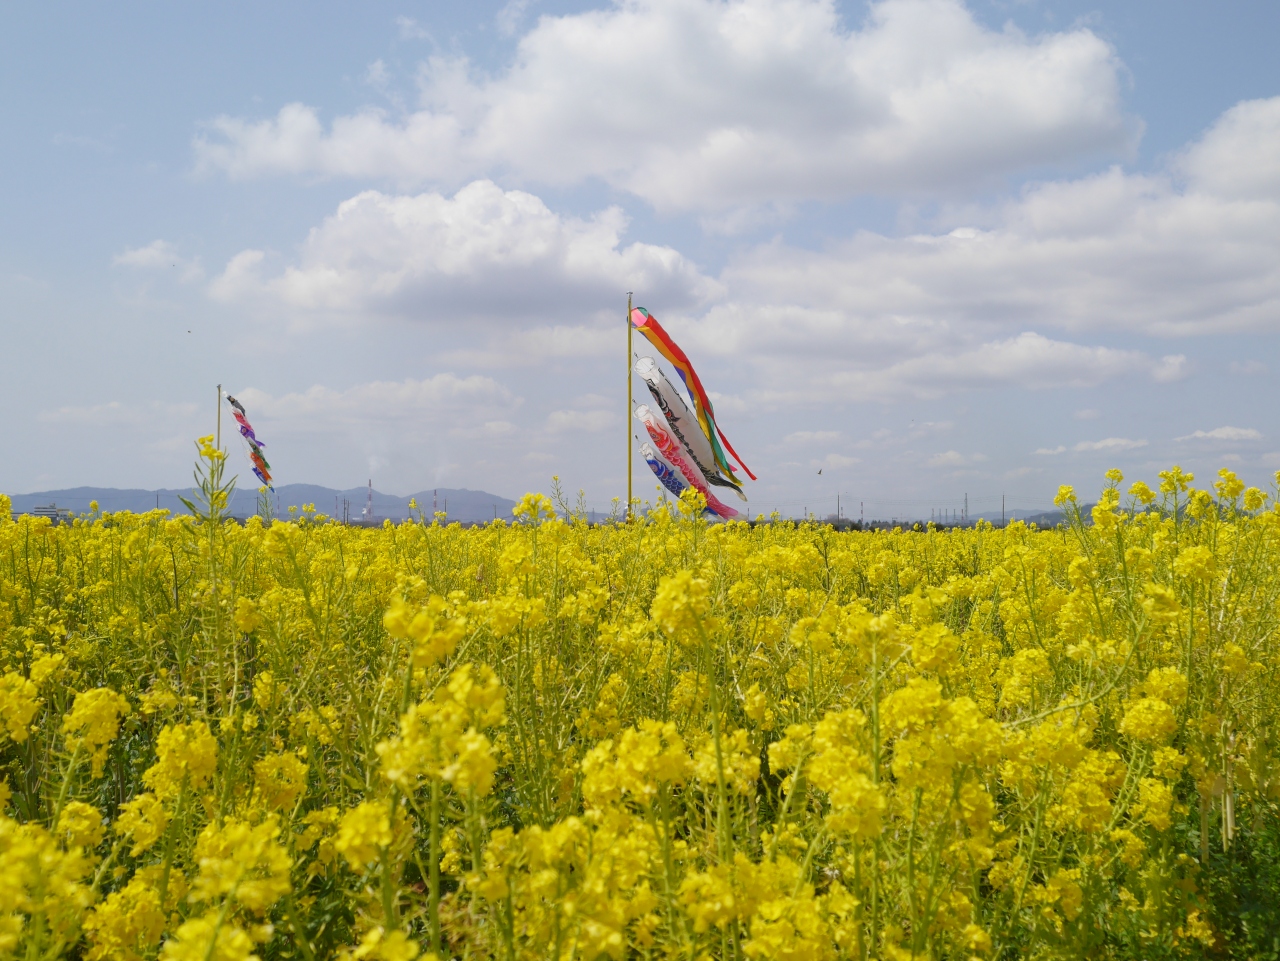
[684,425]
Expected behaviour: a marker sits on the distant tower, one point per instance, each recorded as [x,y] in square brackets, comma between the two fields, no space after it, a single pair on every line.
[367,515]
[434,506]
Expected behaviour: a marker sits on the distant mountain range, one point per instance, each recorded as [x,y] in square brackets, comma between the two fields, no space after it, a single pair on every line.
[463,505]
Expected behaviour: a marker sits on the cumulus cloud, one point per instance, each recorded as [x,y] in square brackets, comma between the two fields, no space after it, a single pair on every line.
[472,400]
[873,317]
[1224,433]
[708,104]
[1249,368]
[1029,360]
[807,437]
[834,461]
[483,252]
[1110,444]
[1107,444]
[160,255]
[154,427]
[580,421]
[955,459]
[1116,251]
[842,365]
[1236,156]
[520,348]
[116,413]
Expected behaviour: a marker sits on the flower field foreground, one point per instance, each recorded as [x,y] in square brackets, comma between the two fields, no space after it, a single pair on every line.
[545,739]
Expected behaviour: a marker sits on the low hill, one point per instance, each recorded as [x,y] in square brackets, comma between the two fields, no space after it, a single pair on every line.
[460,504]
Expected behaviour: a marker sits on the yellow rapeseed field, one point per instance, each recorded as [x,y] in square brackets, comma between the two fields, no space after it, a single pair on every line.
[668,739]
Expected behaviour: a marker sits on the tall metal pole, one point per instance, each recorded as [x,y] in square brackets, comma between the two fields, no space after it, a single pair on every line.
[218,441]
[627,419]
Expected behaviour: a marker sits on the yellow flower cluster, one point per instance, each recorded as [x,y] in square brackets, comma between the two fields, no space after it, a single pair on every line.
[546,738]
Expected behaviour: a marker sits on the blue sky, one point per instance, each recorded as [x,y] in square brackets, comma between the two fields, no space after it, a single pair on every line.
[932,248]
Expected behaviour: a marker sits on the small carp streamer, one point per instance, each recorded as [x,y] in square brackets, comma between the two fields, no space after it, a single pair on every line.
[253,446]
[667,445]
[667,475]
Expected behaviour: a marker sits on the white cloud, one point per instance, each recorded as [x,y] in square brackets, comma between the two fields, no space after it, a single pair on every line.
[484,252]
[1050,451]
[508,18]
[467,400]
[953,458]
[154,427]
[704,104]
[834,461]
[845,363]
[160,255]
[1113,251]
[1223,433]
[1237,156]
[520,348]
[410,29]
[1249,368]
[119,414]
[580,421]
[927,427]
[812,437]
[1110,444]
[870,318]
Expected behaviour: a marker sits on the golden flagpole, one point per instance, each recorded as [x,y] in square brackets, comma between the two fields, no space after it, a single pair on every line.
[627,420]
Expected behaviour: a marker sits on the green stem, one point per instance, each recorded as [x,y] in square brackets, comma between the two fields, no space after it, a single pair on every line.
[433,893]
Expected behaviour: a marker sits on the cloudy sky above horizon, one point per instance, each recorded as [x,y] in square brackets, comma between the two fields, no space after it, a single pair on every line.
[928,247]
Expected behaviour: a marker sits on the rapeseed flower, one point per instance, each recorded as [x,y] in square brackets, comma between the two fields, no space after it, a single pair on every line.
[665,738]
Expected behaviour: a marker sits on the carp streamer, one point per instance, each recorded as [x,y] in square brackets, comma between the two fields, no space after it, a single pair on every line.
[648,325]
[253,446]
